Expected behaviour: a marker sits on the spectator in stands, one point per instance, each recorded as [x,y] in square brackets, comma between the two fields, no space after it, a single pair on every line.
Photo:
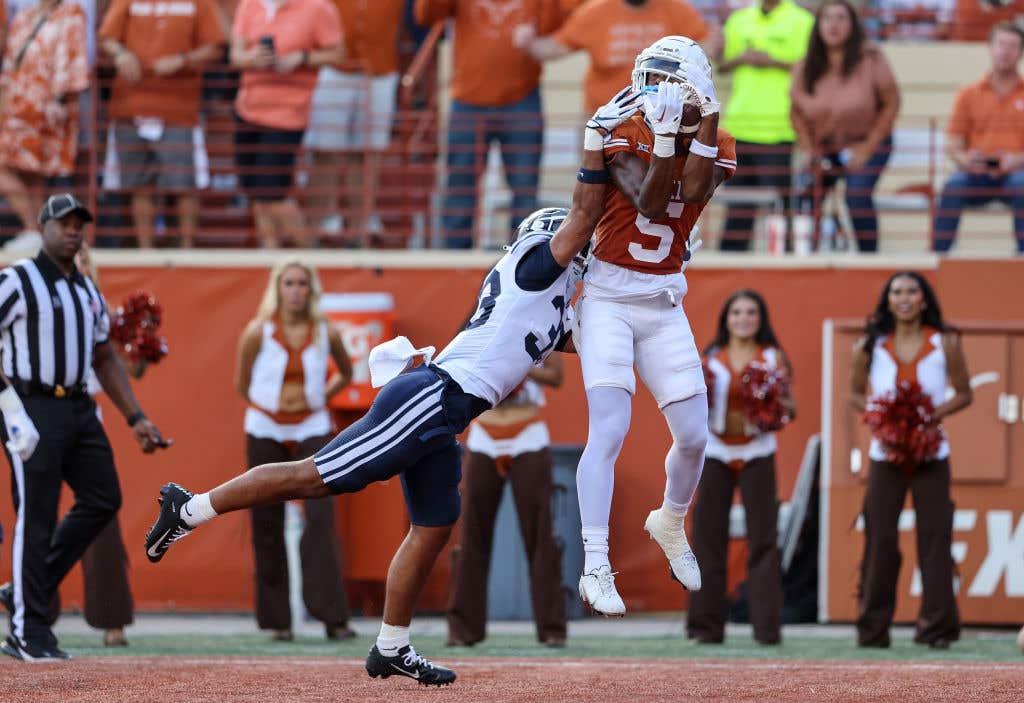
[973,20]
[495,96]
[279,45]
[762,42]
[44,70]
[986,141]
[283,358]
[921,20]
[509,443]
[613,32]
[350,122]
[3,27]
[159,49]
[844,104]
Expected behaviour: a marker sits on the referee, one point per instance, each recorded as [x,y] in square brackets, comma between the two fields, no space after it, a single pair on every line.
[53,327]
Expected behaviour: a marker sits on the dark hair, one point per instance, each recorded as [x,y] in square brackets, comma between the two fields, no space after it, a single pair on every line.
[765,334]
[1008,27]
[882,322]
[816,62]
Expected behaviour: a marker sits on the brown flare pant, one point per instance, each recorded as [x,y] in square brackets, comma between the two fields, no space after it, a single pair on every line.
[322,589]
[886,491]
[482,484]
[705,619]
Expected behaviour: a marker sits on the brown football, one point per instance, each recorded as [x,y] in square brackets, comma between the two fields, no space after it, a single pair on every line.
[691,118]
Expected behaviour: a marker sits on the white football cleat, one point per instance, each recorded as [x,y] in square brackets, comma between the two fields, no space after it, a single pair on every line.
[672,541]
[597,589]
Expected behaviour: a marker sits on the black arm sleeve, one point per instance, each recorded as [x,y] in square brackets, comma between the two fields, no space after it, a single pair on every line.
[537,270]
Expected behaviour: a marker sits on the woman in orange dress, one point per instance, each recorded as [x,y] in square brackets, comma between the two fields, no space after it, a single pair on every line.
[44,70]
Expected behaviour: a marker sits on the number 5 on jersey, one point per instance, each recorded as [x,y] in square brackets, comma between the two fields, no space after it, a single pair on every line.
[664,233]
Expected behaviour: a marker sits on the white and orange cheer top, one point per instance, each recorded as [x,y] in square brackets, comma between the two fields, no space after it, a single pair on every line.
[277,364]
[510,440]
[735,449]
[928,369]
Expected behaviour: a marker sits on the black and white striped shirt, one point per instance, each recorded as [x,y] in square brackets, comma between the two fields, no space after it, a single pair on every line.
[49,322]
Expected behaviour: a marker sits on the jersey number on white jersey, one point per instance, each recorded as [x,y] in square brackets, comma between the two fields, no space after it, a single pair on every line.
[489,293]
[664,233]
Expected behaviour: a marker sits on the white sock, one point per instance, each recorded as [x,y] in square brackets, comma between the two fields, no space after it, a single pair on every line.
[595,548]
[198,510]
[391,639]
[688,422]
[674,513]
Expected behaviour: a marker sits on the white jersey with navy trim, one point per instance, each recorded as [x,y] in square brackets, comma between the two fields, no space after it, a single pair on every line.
[512,329]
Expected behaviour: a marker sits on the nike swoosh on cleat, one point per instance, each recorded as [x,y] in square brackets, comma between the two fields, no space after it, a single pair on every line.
[187,511]
[152,551]
[404,672]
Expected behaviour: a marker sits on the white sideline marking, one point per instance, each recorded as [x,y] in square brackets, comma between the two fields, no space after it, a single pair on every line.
[582,663]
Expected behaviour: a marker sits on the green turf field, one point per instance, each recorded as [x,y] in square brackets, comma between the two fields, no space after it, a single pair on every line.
[999,647]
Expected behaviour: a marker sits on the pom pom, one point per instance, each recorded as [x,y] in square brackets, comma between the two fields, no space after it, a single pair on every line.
[134,328]
[904,422]
[761,395]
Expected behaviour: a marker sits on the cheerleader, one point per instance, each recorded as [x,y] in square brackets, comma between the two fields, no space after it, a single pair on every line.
[738,452]
[282,372]
[906,339]
[509,442]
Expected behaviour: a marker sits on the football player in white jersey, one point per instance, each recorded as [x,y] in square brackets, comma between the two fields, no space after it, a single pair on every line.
[410,429]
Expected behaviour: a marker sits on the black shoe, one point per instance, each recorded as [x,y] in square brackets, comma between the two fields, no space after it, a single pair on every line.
[7,597]
[407,663]
[169,527]
[29,652]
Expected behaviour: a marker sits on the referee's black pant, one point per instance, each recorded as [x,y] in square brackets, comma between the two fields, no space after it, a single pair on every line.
[72,448]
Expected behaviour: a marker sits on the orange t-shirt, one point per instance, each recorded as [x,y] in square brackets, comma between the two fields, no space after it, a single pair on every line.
[614,32]
[151,29]
[987,121]
[621,225]
[281,100]
[489,70]
[371,34]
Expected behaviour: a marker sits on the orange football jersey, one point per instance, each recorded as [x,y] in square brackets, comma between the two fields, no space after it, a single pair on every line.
[628,239]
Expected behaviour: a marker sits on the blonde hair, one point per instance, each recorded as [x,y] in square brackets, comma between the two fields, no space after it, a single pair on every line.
[271,302]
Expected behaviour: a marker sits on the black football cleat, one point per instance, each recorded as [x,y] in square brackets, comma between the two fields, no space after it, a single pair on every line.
[169,527]
[407,663]
[30,652]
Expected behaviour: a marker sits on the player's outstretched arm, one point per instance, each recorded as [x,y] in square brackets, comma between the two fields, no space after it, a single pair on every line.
[588,195]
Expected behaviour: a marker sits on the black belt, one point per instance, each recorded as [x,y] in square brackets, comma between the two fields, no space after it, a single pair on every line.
[35,388]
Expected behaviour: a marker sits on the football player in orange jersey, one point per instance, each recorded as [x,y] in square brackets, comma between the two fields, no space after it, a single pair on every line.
[630,312]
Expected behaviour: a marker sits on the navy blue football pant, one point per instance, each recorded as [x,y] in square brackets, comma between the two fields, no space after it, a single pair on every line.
[409,431]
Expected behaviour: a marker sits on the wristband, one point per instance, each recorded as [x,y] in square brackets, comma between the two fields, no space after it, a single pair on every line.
[665,145]
[592,140]
[596,176]
[134,418]
[702,149]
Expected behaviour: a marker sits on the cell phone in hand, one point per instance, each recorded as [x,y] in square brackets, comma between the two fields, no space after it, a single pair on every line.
[267,42]
[992,162]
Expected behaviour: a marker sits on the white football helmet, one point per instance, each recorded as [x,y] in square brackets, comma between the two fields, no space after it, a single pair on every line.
[547,221]
[672,57]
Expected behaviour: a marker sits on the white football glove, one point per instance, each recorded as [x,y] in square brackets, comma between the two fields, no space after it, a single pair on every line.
[664,109]
[615,111]
[21,431]
[702,91]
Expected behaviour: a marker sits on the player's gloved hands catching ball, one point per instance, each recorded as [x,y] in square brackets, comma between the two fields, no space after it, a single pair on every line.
[615,111]
[664,108]
[22,435]
[701,91]
[608,117]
